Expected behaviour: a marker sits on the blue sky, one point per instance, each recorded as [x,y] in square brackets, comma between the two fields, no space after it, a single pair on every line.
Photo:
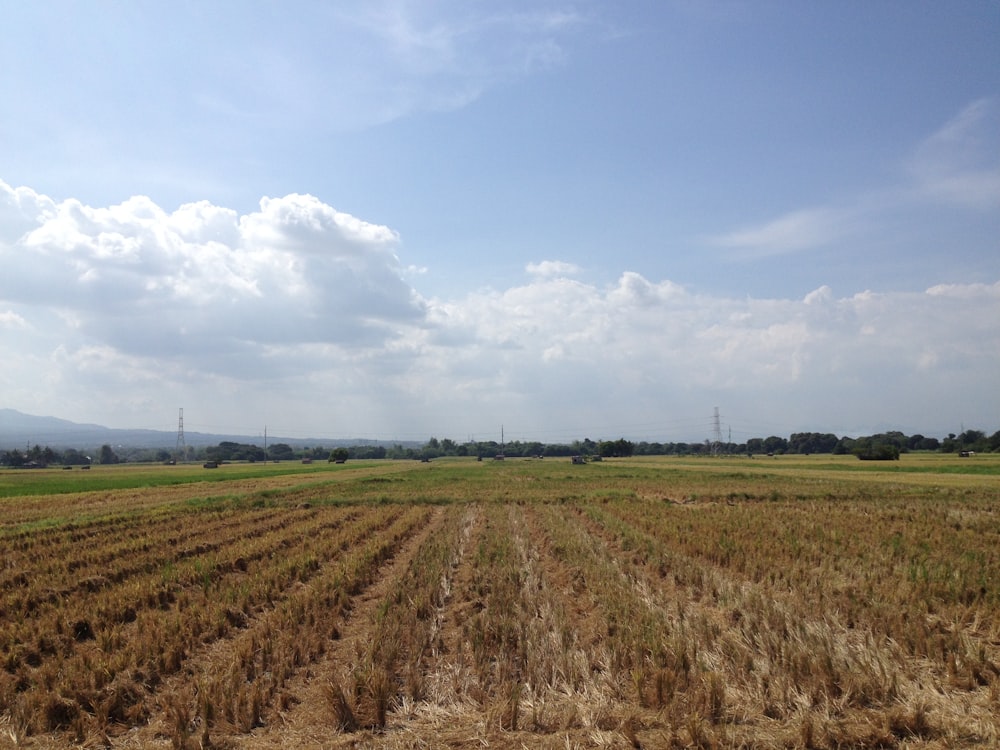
[392,219]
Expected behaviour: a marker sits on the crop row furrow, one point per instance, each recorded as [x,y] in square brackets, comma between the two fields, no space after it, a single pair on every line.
[494,647]
[566,683]
[868,585]
[133,546]
[155,642]
[242,677]
[154,578]
[404,630]
[766,649]
[640,637]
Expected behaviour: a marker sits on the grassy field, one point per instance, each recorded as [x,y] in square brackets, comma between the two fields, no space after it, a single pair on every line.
[787,602]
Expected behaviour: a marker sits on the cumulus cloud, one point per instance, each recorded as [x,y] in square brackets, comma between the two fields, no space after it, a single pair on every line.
[119,314]
[595,354]
[202,278]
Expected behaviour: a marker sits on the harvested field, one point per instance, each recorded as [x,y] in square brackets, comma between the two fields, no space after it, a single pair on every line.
[658,603]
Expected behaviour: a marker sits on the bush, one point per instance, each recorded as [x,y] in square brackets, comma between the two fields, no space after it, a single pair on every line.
[877,452]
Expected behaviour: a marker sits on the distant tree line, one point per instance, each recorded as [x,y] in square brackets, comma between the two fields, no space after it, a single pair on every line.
[435,448]
[39,456]
[106,454]
[801,443]
[886,445]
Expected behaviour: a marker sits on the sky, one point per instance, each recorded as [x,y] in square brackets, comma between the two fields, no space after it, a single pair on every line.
[395,220]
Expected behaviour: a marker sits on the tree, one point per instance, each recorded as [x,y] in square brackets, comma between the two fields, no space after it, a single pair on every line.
[558,449]
[930,444]
[398,451]
[431,449]
[281,452]
[338,455]
[73,457]
[844,446]
[620,448]
[894,437]
[971,437]
[227,450]
[108,456]
[876,448]
[775,444]
[920,443]
[994,441]
[367,451]
[13,458]
[812,442]
[973,440]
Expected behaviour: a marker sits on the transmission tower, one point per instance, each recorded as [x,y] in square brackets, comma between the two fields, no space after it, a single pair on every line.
[716,432]
[181,449]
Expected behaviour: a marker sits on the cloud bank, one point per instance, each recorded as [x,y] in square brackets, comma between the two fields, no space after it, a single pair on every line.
[302,316]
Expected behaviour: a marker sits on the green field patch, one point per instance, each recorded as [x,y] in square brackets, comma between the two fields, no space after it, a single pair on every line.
[34,482]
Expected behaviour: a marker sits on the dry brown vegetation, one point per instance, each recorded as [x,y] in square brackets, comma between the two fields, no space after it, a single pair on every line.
[634,603]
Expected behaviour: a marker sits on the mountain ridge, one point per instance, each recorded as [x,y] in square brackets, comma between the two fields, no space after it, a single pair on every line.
[18,430]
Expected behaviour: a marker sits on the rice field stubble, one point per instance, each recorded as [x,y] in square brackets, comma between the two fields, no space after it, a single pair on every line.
[795,602]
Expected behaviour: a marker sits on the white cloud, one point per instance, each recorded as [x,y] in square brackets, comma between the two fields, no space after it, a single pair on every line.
[820,296]
[394,59]
[833,360]
[118,315]
[964,291]
[20,209]
[798,230]
[957,165]
[552,268]
[148,281]
[960,163]
[10,319]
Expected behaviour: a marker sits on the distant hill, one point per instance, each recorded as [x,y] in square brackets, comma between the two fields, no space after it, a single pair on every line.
[18,430]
